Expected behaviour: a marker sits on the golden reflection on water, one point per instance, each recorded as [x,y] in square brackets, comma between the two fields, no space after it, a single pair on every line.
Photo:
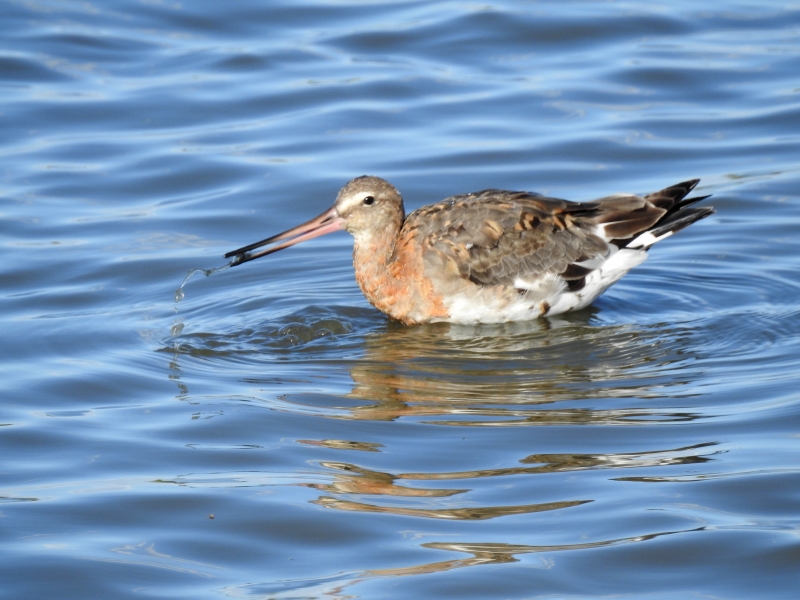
[519,374]
[512,375]
[484,553]
[479,513]
[352,479]
[344,445]
[557,463]
[541,373]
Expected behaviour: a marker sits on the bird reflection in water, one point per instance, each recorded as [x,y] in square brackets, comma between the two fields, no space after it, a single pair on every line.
[554,372]
[517,374]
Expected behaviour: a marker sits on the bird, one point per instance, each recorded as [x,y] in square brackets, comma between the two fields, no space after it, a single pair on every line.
[491,256]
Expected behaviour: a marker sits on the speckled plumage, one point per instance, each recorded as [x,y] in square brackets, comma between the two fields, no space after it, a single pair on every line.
[493,255]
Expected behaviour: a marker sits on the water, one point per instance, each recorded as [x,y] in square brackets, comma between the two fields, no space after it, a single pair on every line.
[273,436]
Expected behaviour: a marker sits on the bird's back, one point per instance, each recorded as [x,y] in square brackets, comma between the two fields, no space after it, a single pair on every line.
[499,255]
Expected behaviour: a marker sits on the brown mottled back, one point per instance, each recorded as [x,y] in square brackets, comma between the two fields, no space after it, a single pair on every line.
[495,237]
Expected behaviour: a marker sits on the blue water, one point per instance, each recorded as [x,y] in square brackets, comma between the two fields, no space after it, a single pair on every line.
[273,436]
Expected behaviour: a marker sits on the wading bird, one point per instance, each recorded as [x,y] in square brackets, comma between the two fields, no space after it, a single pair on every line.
[490,256]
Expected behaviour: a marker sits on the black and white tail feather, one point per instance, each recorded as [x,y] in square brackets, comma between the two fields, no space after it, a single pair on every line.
[629,225]
[678,215]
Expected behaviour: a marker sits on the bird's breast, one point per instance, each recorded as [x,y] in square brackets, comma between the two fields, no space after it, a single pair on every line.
[394,280]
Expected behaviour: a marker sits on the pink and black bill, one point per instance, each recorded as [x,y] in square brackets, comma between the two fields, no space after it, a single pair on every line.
[327,222]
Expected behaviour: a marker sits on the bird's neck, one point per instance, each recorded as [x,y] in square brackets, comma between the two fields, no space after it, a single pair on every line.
[376,270]
[372,255]
[390,271]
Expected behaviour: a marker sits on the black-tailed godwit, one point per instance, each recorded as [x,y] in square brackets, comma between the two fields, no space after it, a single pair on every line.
[491,256]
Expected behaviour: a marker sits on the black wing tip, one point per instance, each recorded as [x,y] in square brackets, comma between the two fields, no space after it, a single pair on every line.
[681,220]
[683,188]
[680,217]
[679,191]
[690,184]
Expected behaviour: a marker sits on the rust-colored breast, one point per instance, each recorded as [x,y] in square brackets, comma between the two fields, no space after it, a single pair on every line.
[394,281]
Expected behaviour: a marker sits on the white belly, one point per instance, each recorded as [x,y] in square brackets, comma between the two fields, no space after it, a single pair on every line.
[547,296]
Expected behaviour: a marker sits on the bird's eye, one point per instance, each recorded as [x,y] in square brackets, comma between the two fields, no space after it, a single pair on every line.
[369,200]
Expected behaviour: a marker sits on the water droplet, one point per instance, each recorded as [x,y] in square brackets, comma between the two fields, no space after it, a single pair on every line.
[179,294]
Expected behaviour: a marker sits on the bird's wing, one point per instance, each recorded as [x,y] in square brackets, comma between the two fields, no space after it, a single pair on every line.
[497,237]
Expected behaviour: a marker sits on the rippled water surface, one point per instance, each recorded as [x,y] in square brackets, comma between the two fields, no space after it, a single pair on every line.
[273,436]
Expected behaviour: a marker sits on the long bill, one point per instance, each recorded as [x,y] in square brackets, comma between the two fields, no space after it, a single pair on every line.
[327,222]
